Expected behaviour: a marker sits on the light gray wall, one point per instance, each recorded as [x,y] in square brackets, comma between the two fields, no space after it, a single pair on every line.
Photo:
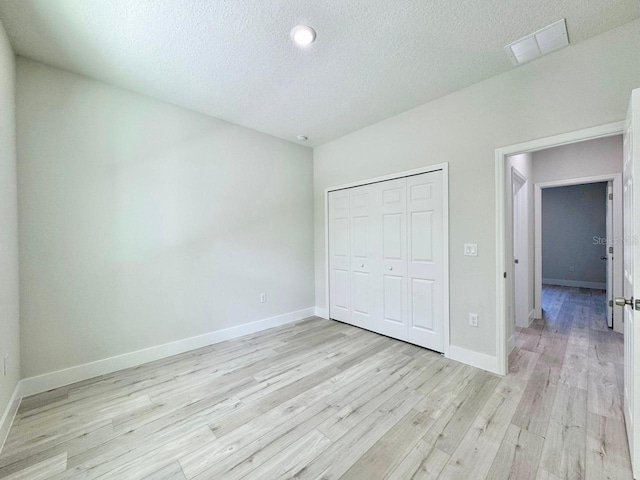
[601,156]
[577,87]
[9,314]
[571,218]
[142,223]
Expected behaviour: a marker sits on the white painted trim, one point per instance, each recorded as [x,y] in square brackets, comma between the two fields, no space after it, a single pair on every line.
[512,343]
[500,158]
[322,313]
[532,317]
[574,283]
[616,178]
[60,378]
[475,359]
[9,414]
[445,227]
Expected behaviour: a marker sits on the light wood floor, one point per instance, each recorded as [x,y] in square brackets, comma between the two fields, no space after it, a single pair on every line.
[320,399]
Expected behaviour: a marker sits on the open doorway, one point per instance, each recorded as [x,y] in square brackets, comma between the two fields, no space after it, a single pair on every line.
[573,245]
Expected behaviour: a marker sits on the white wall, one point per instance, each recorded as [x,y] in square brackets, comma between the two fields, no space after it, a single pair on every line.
[601,156]
[577,87]
[142,223]
[9,315]
[571,218]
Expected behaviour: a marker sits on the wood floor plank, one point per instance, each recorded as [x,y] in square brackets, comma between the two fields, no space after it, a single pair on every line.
[607,449]
[518,457]
[565,444]
[42,470]
[423,462]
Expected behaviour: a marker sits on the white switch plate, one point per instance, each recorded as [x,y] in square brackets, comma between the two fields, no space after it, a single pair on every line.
[263,298]
[473,319]
[471,249]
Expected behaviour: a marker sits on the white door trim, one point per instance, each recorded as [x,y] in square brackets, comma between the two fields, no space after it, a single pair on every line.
[616,178]
[501,155]
[445,230]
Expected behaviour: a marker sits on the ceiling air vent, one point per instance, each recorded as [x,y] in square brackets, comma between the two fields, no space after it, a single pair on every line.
[545,40]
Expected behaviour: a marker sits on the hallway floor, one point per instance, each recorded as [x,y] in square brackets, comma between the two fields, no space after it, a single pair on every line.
[572,407]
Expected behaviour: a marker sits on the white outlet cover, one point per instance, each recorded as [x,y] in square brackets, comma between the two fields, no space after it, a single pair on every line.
[473,319]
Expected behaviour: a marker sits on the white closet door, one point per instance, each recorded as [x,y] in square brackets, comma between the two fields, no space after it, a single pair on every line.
[426,260]
[339,256]
[392,285]
[364,261]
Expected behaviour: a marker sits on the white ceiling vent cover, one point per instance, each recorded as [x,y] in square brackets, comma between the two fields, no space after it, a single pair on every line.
[545,40]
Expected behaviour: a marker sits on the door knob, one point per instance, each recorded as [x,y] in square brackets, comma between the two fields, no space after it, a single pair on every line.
[516,261]
[362,266]
[390,268]
[621,301]
[604,257]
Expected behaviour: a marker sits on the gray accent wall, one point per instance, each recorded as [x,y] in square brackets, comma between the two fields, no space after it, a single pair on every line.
[573,218]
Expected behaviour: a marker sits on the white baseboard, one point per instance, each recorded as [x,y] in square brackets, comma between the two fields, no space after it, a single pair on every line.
[10,414]
[574,283]
[532,316]
[322,313]
[60,378]
[512,343]
[475,359]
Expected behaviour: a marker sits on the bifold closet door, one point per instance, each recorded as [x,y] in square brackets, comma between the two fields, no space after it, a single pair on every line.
[365,262]
[425,268]
[392,283]
[386,258]
[339,256]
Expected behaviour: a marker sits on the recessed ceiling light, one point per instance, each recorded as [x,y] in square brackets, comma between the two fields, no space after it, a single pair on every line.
[303,35]
[302,138]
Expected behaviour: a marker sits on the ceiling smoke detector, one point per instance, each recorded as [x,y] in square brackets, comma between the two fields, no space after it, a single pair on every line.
[303,35]
[545,40]
[302,138]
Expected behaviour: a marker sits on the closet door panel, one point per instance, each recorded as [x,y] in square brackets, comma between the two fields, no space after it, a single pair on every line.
[339,256]
[426,261]
[363,257]
[393,264]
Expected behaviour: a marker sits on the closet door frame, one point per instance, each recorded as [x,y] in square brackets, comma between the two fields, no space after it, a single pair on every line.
[444,167]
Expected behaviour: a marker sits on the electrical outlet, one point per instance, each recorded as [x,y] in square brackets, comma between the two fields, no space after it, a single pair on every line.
[5,364]
[263,298]
[473,319]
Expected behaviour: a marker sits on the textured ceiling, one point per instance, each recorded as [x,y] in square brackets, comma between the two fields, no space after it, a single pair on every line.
[233,59]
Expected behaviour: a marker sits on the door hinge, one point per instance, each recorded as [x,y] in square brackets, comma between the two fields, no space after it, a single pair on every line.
[611,303]
[504,274]
[610,249]
[610,196]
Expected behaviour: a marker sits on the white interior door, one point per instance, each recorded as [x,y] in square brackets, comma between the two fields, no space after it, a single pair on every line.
[631,194]
[392,196]
[520,298]
[608,257]
[339,256]
[425,260]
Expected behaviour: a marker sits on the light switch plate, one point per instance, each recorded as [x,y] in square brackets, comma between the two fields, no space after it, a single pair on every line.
[471,249]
